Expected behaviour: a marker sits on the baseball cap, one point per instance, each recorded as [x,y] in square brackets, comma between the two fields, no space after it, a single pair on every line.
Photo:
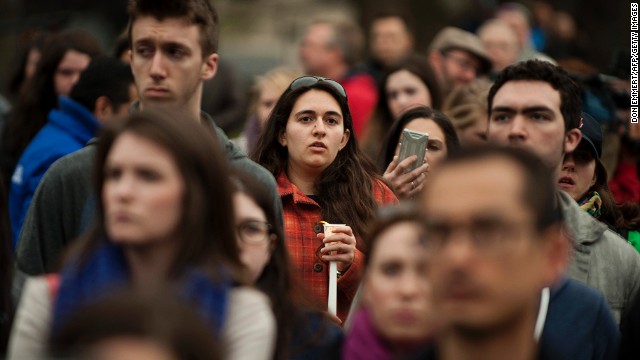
[454,38]
[591,133]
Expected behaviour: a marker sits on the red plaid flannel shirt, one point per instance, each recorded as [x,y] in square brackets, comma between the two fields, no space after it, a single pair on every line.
[302,217]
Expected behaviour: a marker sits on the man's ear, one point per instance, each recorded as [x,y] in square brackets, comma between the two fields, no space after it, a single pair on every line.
[571,140]
[102,109]
[210,66]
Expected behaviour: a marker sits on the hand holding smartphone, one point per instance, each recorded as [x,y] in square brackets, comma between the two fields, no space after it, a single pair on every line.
[413,143]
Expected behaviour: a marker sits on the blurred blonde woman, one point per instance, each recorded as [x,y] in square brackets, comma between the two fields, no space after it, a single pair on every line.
[466,106]
[265,92]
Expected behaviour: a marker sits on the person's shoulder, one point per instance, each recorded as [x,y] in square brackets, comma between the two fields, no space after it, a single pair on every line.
[382,193]
[248,300]
[250,326]
[78,162]
[248,307]
[574,293]
[582,226]
[37,289]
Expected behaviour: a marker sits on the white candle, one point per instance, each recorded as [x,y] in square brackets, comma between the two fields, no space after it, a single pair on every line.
[332,301]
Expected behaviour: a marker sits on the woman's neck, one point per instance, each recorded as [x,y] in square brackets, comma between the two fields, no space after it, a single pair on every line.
[149,265]
[303,180]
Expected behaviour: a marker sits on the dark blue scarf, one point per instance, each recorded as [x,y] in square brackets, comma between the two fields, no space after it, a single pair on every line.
[107,271]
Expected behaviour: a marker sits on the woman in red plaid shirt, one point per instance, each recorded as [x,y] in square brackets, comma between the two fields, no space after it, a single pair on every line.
[307,144]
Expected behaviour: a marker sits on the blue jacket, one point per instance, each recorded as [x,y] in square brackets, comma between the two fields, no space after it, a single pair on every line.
[67,130]
[579,325]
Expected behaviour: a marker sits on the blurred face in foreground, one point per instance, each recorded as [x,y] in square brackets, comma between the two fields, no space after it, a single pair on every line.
[487,261]
[142,193]
[396,290]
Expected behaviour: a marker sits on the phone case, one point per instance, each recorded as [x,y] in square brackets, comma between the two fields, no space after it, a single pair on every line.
[413,143]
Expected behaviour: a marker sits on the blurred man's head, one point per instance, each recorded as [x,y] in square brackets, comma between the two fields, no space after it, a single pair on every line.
[457,57]
[536,105]
[173,50]
[494,239]
[391,39]
[501,43]
[519,18]
[331,48]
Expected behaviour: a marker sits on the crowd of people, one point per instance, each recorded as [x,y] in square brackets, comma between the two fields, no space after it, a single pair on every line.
[132,224]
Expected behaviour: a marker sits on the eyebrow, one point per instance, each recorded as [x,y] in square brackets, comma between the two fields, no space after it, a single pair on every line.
[162,44]
[330,112]
[526,110]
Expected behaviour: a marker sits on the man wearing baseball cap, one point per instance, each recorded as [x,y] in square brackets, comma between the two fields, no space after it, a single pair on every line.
[457,57]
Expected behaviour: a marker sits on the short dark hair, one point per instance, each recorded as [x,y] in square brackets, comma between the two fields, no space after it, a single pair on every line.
[105,76]
[420,112]
[121,45]
[197,12]
[538,189]
[557,77]
[407,19]
[156,317]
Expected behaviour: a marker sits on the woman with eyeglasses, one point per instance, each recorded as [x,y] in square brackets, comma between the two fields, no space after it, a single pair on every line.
[322,176]
[302,332]
[165,218]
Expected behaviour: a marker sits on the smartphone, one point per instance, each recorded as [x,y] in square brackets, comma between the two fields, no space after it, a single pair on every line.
[413,143]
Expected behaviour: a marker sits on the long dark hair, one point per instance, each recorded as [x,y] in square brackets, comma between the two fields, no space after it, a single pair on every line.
[206,231]
[35,40]
[38,96]
[339,187]
[419,67]
[158,317]
[420,112]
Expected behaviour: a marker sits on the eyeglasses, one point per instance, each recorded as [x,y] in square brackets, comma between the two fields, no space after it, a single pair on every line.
[253,232]
[463,62]
[312,80]
[485,235]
